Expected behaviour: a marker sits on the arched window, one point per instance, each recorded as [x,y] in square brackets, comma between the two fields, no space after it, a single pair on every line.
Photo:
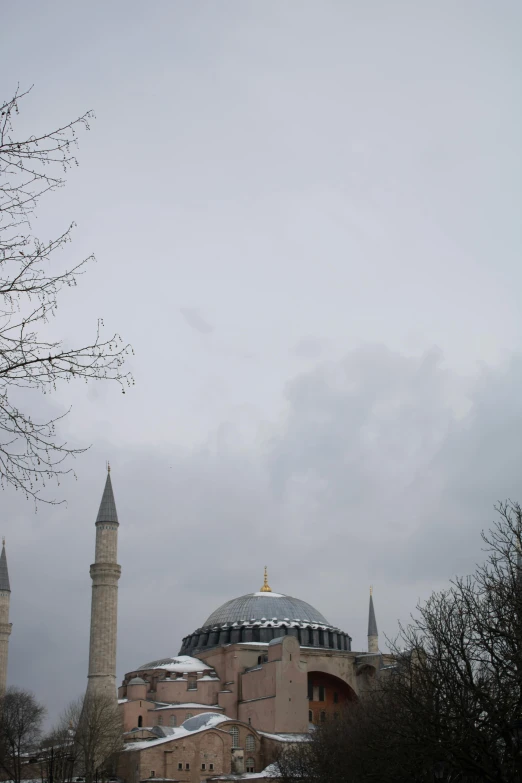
[250,765]
[173,720]
[310,716]
[160,723]
[323,716]
[235,736]
[250,742]
[140,722]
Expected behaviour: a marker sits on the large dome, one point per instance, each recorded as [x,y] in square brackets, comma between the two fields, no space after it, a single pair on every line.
[258,618]
[265,607]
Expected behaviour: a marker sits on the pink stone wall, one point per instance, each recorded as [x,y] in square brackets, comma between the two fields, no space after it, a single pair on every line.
[259,683]
[213,746]
[136,692]
[131,711]
[177,690]
[291,689]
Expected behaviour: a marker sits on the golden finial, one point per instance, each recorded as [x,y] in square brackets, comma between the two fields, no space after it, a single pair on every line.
[3,540]
[371,589]
[266,587]
[108,466]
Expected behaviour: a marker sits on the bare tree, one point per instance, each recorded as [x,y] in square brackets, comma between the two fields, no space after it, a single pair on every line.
[59,754]
[31,451]
[450,708]
[20,729]
[98,734]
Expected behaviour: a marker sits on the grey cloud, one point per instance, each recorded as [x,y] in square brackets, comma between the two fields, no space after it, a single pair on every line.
[361,183]
[195,320]
[369,478]
[309,347]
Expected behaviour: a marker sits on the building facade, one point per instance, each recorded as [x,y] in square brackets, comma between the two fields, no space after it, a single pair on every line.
[261,671]
[264,668]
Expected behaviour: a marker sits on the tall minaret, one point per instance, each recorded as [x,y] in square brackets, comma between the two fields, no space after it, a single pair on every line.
[105,573]
[373,635]
[5,625]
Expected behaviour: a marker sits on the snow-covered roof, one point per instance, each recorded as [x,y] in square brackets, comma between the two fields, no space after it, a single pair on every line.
[286,737]
[212,721]
[187,704]
[272,771]
[206,719]
[179,664]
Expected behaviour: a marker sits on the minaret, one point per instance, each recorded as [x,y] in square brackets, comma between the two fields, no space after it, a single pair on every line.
[105,573]
[5,625]
[373,635]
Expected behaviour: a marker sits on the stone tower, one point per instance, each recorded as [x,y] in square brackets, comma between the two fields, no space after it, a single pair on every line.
[373,635]
[5,625]
[105,573]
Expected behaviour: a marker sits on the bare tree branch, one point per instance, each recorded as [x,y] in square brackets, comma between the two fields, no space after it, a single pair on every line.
[31,452]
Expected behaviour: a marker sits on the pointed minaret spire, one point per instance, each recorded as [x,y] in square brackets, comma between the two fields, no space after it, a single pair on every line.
[107,512]
[105,573]
[373,635]
[5,625]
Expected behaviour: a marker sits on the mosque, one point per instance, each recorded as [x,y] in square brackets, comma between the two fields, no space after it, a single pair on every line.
[260,672]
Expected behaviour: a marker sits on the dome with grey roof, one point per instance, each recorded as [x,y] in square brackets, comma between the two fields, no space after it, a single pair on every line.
[136,681]
[264,607]
[263,616]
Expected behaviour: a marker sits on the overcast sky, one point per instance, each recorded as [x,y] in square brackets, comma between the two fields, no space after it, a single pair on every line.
[306,217]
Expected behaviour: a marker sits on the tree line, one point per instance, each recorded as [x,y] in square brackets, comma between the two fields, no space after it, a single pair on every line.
[83,744]
[450,707]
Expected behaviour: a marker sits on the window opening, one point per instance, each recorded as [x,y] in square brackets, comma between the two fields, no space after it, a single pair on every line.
[173,720]
[250,765]
[310,716]
[250,742]
[187,766]
[140,722]
[203,766]
[180,765]
[310,690]
[321,693]
[211,766]
[235,736]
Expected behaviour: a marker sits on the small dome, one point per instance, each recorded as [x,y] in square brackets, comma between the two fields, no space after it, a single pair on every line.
[207,719]
[136,681]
